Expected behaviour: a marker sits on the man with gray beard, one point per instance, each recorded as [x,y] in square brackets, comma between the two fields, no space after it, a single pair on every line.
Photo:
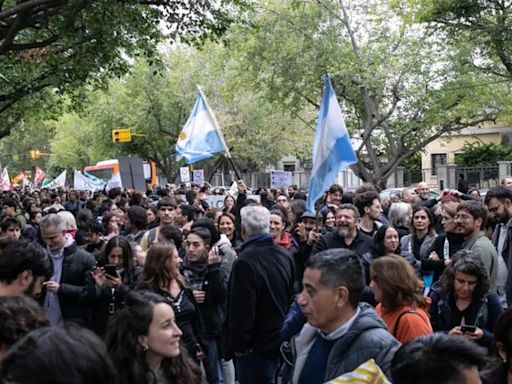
[347,235]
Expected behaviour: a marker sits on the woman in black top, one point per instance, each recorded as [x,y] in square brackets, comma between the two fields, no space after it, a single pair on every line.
[111,289]
[445,245]
[461,302]
[161,275]
[143,341]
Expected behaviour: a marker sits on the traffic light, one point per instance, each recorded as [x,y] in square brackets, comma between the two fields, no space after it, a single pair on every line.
[35,153]
[121,135]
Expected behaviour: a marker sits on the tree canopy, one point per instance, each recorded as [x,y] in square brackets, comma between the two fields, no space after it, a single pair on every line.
[62,45]
[405,73]
[401,87]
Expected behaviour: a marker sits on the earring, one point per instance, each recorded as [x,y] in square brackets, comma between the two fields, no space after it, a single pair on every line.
[145,348]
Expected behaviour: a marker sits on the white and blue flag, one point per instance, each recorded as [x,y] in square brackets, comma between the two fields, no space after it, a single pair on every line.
[332,149]
[200,137]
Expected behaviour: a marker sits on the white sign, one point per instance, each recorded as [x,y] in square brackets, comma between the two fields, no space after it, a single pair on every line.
[115,181]
[217,201]
[198,176]
[83,183]
[59,181]
[185,175]
[280,179]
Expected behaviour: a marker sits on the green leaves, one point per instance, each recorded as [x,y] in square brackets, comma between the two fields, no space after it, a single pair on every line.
[480,153]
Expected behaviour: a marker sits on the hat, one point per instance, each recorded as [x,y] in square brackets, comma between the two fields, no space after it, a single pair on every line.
[308,215]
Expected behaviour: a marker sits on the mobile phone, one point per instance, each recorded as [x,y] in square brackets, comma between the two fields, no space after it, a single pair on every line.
[468,328]
[111,270]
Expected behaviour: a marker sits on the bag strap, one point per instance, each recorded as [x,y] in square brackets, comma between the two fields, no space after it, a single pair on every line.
[410,310]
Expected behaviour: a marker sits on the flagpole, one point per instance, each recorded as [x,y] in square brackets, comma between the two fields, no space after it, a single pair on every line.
[221,136]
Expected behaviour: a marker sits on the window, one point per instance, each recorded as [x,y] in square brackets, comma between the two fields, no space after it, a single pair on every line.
[436,160]
[289,167]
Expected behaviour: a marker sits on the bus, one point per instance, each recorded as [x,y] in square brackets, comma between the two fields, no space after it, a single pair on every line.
[105,169]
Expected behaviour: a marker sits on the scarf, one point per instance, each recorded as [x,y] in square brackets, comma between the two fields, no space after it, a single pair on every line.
[195,273]
[285,241]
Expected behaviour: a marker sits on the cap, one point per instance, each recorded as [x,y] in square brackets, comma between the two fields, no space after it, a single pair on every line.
[308,215]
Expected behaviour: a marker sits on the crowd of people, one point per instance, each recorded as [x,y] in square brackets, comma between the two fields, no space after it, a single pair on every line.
[157,288]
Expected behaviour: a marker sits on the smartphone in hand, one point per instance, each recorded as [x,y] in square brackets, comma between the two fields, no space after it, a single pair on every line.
[111,270]
[468,328]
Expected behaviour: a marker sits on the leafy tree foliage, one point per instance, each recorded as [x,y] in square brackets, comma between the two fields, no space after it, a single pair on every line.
[485,25]
[65,44]
[400,86]
[480,153]
[155,101]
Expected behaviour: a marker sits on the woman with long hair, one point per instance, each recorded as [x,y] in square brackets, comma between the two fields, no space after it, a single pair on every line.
[422,235]
[229,205]
[399,293]
[161,275]
[461,302]
[446,244]
[110,223]
[143,341]
[328,220]
[226,223]
[152,215]
[386,242]
[114,277]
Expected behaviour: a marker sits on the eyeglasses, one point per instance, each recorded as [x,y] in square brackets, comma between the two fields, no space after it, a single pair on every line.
[462,217]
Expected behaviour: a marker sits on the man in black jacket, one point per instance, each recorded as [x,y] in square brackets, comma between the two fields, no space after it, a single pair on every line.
[261,289]
[68,293]
[347,235]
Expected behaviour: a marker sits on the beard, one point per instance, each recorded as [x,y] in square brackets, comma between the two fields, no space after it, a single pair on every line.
[31,290]
[343,232]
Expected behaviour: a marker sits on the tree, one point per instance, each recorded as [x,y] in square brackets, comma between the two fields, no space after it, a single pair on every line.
[485,26]
[66,44]
[482,154]
[30,135]
[399,86]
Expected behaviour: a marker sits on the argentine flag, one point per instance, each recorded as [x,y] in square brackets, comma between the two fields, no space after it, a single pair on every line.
[200,137]
[332,149]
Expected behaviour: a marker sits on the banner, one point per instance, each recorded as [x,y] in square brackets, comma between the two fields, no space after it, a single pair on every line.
[115,181]
[184,175]
[280,179]
[198,175]
[39,176]
[58,182]
[83,183]
[18,178]
[5,183]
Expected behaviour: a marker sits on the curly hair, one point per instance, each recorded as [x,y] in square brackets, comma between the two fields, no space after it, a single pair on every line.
[18,316]
[125,350]
[469,263]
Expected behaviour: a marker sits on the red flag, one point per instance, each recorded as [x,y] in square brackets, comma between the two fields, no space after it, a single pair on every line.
[39,176]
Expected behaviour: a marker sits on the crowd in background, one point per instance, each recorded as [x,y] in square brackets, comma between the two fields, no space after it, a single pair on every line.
[160,287]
